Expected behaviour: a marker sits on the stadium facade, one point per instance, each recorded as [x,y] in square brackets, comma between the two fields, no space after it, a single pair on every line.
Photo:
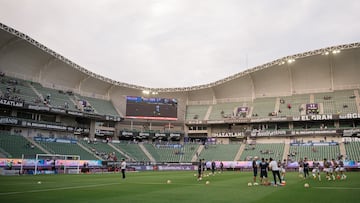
[312,95]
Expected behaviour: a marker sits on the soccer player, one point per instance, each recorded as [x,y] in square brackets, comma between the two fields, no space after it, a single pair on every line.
[255,169]
[306,168]
[283,169]
[333,167]
[273,165]
[316,169]
[200,169]
[301,168]
[342,170]
[123,167]
[263,171]
[327,169]
[213,167]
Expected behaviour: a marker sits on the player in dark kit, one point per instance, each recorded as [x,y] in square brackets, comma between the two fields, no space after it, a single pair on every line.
[200,167]
[255,169]
[213,167]
[306,168]
[263,172]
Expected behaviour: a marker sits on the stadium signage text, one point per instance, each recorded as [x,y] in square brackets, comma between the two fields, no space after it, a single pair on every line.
[57,110]
[39,108]
[268,133]
[351,133]
[11,103]
[124,133]
[174,134]
[311,132]
[142,134]
[160,135]
[350,116]
[8,121]
[314,117]
[75,113]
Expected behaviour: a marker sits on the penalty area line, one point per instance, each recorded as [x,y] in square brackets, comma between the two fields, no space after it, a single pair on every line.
[56,189]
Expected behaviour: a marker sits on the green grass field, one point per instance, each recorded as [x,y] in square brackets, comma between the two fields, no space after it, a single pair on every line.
[152,187]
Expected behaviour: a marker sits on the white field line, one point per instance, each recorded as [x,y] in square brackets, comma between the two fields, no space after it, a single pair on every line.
[88,186]
[55,189]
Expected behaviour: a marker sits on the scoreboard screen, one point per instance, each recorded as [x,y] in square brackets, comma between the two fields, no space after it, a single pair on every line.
[151,108]
[312,108]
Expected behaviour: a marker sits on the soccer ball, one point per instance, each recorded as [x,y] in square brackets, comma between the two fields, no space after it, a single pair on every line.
[194,174]
[255,184]
[207,182]
[39,182]
[306,185]
[249,184]
[168,181]
[200,178]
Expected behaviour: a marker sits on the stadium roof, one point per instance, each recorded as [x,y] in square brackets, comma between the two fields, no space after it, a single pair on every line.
[6,41]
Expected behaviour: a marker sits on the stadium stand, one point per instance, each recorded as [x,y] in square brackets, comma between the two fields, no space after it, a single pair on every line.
[133,151]
[194,112]
[352,151]
[264,107]
[314,152]
[224,152]
[345,101]
[189,151]
[263,150]
[101,149]
[271,115]
[165,152]
[223,110]
[67,149]
[100,106]
[293,105]
[54,98]
[17,89]
[14,146]
[337,102]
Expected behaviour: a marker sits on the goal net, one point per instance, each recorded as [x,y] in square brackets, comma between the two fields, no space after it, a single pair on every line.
[56,164]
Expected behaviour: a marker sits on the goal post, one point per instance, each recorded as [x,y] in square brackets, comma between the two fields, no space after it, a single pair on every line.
[57,163]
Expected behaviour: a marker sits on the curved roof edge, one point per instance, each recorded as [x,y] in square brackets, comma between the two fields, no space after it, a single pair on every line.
[279,61]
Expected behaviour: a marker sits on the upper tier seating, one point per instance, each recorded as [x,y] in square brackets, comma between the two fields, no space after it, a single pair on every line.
[194,112]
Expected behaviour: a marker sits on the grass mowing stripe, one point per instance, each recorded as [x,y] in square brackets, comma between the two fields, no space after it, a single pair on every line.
[152,187]
[337,188]
[55,189]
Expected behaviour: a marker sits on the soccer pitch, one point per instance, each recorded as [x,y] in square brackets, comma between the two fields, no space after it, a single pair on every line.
[146,187]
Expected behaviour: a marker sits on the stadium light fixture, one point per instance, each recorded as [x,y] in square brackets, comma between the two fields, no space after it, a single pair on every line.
[291,60]
[146,92]
[336,51]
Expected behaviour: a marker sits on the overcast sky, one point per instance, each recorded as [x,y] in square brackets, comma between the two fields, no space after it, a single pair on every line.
[181,43]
